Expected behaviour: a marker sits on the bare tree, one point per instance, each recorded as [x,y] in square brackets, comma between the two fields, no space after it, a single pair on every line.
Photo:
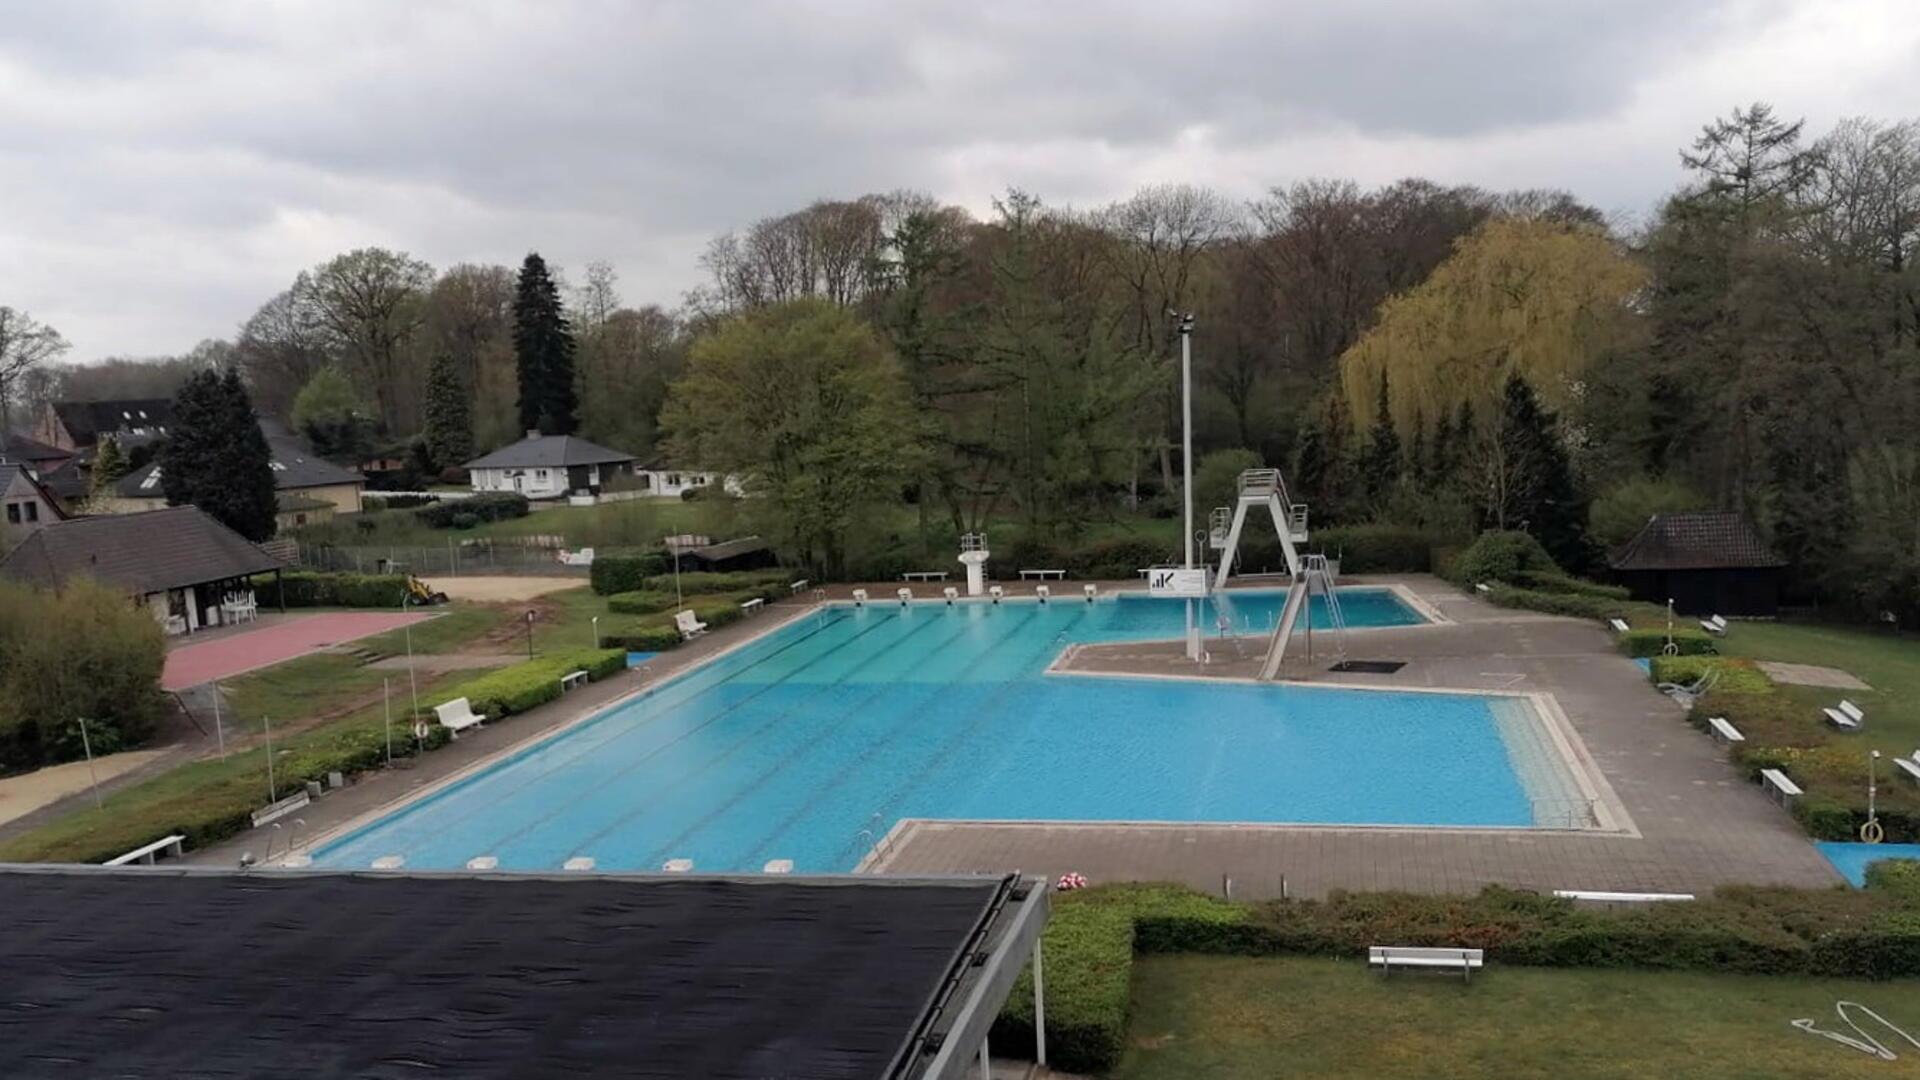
[25,344]
[370,303]
[281,347]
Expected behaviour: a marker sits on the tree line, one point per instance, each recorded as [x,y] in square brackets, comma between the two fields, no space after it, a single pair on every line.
[1444,356]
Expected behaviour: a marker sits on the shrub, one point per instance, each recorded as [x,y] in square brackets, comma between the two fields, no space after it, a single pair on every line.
[638,637]
[80,651]
[1577,605]
[534,682]
[1642,641]
[696,582]
[1117,558]
[1088,953]
[639,602]
[313,588]
[1623,510]
[1216,477]
[491,506]
[1377,549]
[373,502]
[1733,676]
[1501,556]
[625,573]
[1554,581]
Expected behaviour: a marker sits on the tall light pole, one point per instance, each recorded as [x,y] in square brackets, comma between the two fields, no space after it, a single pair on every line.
[1186,464]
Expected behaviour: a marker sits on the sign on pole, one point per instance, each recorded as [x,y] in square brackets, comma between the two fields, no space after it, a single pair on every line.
[1177,581]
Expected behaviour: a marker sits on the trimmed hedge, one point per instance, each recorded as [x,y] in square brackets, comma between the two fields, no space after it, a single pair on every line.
[491,506]
[657,632]
[1577,605]
[696,582]
[534,682]
[626,573]
[1641,641]
[639,602]
[1377,549]
[1839,933]
[312,588]
[1554,581]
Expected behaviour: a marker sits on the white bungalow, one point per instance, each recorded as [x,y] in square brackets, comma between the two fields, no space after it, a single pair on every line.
[548,467]
[664,480]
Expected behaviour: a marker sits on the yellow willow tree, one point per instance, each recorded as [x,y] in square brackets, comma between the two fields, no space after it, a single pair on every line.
[1539,297]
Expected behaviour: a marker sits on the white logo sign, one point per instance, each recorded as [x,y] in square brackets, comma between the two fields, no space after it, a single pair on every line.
[1177,582]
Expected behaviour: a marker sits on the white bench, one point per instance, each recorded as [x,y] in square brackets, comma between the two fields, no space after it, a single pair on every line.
[1717,626]
[1619,625]
[1724,732]
[1597,896]
[572,679]
[924,575]
[273,811]
[174,845]
[1847,717]
[689,625]
[1042,575]
[1907,769]
[1783,790]
[795,587]
[748,607]
[458,715]
[1388,957]
[1482,587]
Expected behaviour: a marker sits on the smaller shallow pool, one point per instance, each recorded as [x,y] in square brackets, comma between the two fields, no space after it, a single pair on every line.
[1852,860]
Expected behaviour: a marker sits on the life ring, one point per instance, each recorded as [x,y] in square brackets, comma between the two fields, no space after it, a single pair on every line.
[420,730]
[1872,832]
[1670,649]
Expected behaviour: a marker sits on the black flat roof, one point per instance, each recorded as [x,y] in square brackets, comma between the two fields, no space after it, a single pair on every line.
[165,973]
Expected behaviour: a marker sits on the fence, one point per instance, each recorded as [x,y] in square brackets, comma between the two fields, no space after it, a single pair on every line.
[455,558]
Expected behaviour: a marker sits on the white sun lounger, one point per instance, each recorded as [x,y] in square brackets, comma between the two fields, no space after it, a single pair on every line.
[458,715]
[1716,626]
[1847,717]
[1619,625]
[690,625]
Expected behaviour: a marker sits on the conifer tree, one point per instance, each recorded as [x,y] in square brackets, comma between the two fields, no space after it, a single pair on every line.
[216,457]
[109,465]
[543,352]
[1380,464]
[449,428]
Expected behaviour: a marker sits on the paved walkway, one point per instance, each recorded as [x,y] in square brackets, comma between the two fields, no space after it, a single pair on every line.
[240,650]
[1699,823]
[22,795]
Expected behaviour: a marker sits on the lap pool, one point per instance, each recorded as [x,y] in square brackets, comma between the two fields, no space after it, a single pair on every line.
[812,741]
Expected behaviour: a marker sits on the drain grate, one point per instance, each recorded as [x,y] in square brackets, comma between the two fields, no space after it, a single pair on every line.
[1369,667]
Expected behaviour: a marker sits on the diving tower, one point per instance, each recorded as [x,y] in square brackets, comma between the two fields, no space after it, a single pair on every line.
[1259,488]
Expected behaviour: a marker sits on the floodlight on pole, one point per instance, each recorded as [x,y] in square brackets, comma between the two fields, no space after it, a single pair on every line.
[1185,325]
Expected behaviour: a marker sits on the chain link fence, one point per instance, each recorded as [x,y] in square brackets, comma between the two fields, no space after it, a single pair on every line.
[456,558]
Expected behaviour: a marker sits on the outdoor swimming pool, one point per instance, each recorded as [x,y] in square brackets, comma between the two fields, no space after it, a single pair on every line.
[812,741]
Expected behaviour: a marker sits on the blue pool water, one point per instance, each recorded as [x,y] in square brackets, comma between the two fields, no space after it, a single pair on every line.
[812,741]
[1852,860]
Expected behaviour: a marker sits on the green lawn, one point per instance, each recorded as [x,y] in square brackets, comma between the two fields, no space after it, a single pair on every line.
[1227,1017]
[1887,662]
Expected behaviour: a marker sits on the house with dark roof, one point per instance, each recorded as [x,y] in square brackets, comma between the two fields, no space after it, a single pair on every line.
[25,502]
[548,467]
[178,563]
[310,488]
[1706,563]
[22,450]
[77,425]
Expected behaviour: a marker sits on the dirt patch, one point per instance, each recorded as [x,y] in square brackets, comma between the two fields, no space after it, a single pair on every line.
[1811,675]
[22,795]
[501,590]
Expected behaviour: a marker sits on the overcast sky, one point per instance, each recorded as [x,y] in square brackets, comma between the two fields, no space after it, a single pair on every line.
[165,167]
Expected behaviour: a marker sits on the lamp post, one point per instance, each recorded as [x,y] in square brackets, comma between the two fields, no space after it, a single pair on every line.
[413,684]
[1186,464]
[529,633]
[596,631]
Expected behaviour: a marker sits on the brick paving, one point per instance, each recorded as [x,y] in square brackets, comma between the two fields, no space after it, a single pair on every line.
[1698,824]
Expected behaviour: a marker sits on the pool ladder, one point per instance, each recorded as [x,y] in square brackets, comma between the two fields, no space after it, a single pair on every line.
[874,844]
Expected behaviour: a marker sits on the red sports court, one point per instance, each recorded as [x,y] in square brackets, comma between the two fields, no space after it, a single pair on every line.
[227,656]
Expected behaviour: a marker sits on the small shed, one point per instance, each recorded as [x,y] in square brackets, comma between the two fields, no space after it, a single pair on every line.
[1706,563]
[744,553]
[179,563]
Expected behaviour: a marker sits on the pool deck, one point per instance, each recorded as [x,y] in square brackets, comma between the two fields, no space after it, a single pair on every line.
[1699,824]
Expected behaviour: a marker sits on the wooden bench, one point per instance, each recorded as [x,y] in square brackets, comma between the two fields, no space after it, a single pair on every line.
[1724,732]
[1042,575]
[1783,790]
[458,715]
[1907,769]
[273,811]
[924,575]
[748,607]
[174,845]
[1597,896]
[572,679]
[1388,957]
